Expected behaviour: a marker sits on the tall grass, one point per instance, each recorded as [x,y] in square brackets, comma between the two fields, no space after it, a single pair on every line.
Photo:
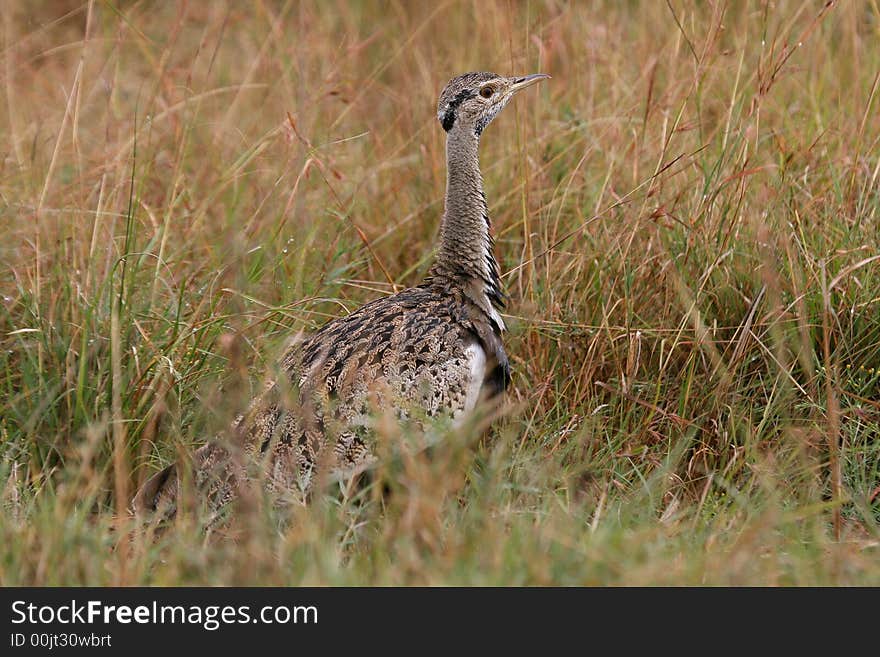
[688,214]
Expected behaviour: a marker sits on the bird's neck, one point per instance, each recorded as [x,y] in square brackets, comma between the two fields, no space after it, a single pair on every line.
[466,244]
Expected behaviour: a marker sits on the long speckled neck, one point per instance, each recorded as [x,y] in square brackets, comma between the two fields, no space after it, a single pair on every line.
[466,245]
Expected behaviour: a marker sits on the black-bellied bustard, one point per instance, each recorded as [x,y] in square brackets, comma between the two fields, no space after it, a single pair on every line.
[434,348]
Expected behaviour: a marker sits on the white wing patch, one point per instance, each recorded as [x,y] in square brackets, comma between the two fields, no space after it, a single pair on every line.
[476,359]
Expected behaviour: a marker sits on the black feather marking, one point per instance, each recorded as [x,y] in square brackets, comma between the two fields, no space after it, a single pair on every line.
[448,119]
[499,379]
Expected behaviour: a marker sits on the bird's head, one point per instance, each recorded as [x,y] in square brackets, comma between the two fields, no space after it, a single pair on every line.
[471,101]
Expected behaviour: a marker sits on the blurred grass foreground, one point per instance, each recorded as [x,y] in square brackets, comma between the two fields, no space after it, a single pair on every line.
[687,215]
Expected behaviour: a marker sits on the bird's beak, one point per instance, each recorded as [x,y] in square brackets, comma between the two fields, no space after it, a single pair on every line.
[521,83]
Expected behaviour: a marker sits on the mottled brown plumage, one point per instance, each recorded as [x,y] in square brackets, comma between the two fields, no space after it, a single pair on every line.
[431,350]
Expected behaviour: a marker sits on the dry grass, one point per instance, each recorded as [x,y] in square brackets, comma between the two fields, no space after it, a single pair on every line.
[688,217]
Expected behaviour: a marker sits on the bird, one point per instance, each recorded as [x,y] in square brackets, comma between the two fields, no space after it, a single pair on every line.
[432,350]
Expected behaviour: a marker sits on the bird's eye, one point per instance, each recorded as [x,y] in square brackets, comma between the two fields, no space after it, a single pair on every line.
[486,92]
